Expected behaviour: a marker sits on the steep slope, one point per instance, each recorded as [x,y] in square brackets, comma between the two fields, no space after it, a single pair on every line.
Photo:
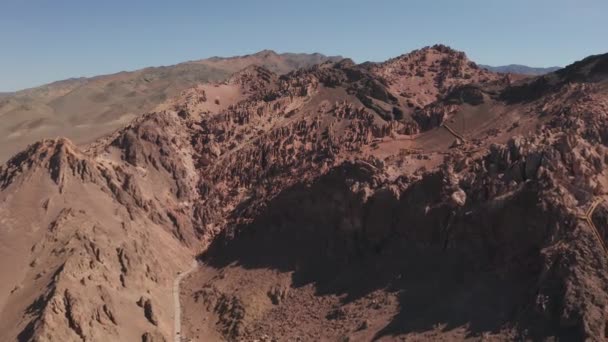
[77,257]
[326,208]
[84,109]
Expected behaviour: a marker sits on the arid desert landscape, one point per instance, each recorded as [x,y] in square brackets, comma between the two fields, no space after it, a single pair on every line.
[307,197]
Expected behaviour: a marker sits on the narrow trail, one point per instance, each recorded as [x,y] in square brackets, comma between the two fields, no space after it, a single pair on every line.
[588,217]
[177,310]
[453,132]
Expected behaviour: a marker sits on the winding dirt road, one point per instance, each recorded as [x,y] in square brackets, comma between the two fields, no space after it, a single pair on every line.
[177,310]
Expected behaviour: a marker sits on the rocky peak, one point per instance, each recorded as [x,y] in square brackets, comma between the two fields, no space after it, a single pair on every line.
[266,53]
[422,76]
[58,157]
[435,58]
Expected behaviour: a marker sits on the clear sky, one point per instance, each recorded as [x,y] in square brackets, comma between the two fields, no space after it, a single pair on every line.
[43,41]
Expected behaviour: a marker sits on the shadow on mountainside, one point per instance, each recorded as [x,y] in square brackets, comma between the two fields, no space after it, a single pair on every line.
[480,274]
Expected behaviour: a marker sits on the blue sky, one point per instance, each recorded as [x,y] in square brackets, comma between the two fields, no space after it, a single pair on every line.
[44,41]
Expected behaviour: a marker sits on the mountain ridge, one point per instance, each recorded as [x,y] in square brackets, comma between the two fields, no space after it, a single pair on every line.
[86,108]
[202,60]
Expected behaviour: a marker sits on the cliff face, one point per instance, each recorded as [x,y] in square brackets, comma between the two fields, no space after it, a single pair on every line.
[418,197]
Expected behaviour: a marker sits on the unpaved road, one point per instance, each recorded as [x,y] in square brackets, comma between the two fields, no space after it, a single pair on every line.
[177,309]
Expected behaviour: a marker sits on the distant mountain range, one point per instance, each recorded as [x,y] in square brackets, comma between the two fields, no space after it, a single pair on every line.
[520,69]
[84,109]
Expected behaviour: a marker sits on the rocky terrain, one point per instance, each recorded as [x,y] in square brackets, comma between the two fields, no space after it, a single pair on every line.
[423,198]
[84,109]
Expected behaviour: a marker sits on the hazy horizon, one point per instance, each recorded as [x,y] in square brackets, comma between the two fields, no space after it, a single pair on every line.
[69,39]
[278,52]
